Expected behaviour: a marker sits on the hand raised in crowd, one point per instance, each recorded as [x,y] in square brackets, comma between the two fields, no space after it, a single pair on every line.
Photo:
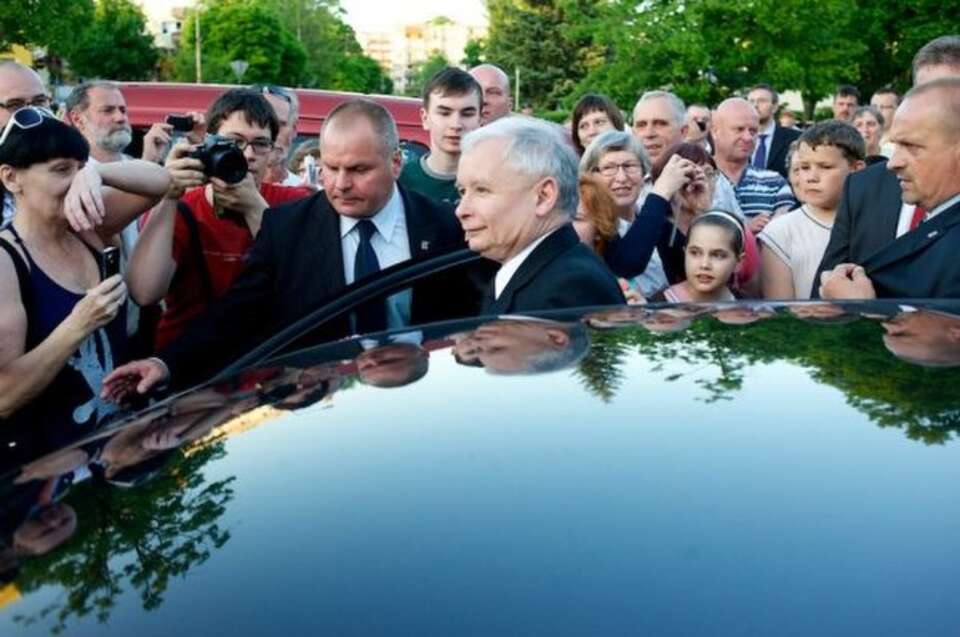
[675,175]
[846,281]
[759,222]
[243,197]
[158,138]
[83,204]
[99,305]
[134,377]
[185,171]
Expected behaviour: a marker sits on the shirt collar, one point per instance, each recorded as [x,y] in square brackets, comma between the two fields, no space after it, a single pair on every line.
[946,204]
[511,265]
[385,220]
[769,130]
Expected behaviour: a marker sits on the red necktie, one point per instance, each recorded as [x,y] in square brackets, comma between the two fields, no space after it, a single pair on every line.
[918,215]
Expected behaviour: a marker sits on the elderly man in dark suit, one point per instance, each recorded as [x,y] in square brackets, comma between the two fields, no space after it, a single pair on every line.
[306,253]
[518,182]
[921,262]
[872,212]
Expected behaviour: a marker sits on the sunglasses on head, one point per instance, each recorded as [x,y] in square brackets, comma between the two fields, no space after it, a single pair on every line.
[25,118]
[273,89]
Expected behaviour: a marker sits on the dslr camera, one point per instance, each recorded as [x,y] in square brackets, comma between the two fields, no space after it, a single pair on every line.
[221,159]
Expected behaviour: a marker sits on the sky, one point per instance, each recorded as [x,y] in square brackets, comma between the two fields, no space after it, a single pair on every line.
[372,15]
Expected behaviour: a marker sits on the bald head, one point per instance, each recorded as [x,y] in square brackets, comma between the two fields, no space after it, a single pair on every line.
[943,97]
[735,126]
[495,83]
[19,86]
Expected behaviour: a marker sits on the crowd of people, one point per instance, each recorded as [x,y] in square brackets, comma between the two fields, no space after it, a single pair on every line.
[120,274]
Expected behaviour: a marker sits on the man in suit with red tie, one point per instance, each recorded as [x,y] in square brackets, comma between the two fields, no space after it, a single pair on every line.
[921,261]
[872,212]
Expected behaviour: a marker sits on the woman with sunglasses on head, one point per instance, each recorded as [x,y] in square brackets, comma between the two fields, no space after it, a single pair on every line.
[61,321]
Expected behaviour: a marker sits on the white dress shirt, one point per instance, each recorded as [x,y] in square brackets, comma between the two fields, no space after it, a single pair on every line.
[907,209]
[391,244]
[768,140]
[510,267]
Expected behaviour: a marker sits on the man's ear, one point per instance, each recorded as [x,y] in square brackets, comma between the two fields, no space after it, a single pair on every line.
[74,119]
[8,176]
[423,117]
[558,338]
[548,193]
[396,163]
[857,164]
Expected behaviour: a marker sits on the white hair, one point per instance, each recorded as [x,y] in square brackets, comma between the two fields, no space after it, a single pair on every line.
[535,148]
[676,105]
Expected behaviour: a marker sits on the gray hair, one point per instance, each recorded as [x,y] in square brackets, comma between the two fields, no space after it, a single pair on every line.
[79,98]
[677,108]
[872,110]
[553,360]
[612,141]
[535,148]
[378,116]
[504,78]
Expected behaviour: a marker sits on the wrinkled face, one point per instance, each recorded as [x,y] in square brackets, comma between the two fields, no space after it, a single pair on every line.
[822,172]
[104,122]
[709,258]
[42,187]
[509,347]
[844,106]
[238,128]
[591,125]
[926,156]
[762,100]
[19,88]
[655,126]
[622,173]
[887,104]
[358,175]
[287,128]
[499,207]
[583,224]
[735,132]
[496,94]
[449,118]
[870,129]
[924,337]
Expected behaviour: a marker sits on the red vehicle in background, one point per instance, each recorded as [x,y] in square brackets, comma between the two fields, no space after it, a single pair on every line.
[151,102]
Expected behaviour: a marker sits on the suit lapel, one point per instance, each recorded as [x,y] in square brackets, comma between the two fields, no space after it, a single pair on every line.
[422,234]
[915,240]
[776,144]
[324,248]
[554,245]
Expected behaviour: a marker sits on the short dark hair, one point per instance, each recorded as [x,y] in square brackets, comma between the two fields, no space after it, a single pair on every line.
[591,103]
[847,90]
[765,87]
[839,134]
[51,139]
[452,81]
[252,104]
[943,50]
[888,90]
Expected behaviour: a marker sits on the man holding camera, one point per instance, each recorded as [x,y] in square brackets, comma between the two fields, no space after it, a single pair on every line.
[193,245]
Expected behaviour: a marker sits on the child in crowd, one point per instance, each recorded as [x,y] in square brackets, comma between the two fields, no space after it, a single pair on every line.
[714,249]
[794,243]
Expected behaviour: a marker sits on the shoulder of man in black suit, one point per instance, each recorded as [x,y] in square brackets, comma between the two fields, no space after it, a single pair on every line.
[425,216]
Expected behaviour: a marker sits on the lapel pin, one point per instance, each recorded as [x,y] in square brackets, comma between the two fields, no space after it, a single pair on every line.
[424,245]
[933,234]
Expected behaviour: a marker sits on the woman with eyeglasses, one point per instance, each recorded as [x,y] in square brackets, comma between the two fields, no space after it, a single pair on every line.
[620,162]
[62,325]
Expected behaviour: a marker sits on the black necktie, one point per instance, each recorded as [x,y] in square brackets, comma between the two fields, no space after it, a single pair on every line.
[372,316]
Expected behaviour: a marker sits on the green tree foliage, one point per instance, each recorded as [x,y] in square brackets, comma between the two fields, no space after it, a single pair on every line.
[424,71]
[118,26]
[474,53]
[241,30]
[361,74]
[50,24]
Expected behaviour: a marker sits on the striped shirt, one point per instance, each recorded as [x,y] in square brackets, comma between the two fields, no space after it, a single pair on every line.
[763,191]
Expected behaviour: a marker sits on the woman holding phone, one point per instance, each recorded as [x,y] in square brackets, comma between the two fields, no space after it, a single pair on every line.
[61,295]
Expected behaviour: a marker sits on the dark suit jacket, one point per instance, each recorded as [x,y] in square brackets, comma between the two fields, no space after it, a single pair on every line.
[294,266]
[866,220]
[779,145]
[560,273]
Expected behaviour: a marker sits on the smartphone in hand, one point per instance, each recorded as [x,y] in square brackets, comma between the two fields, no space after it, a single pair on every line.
[109,263]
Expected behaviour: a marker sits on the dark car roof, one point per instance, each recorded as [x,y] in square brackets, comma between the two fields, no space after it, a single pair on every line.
[732,469]
[151,102]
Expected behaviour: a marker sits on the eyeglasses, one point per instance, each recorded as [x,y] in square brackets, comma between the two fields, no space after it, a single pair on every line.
[259,146]
[631,168]
[25,118]
[40,101]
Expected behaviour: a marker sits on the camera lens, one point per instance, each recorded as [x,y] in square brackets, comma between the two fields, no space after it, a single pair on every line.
[228,163]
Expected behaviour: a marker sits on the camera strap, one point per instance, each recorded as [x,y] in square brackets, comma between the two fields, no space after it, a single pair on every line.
[187,215]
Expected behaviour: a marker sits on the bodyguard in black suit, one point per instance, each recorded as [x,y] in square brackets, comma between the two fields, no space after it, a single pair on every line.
[922,262]
[307,251]
[519,193]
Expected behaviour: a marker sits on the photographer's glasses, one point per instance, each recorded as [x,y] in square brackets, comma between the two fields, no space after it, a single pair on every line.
[25,118]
